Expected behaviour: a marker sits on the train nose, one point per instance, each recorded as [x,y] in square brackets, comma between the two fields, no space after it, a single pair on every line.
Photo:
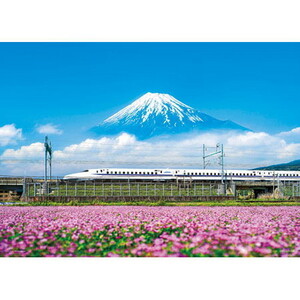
[70,176]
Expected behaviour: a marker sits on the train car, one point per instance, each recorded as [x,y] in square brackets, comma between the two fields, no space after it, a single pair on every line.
[189,174]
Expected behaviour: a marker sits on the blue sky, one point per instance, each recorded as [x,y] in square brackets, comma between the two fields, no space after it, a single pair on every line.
[74,86]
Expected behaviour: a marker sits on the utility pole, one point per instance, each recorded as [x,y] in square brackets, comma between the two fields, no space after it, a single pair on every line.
[221,161]
[48,160]
[204,163]
[219,150]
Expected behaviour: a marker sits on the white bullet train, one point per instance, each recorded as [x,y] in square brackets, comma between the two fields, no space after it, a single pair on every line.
[189,174]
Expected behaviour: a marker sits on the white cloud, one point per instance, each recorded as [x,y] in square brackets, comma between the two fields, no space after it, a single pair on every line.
[27,160]
[242,150]
[49,129]
[9,134]
[293,132]
[34,150]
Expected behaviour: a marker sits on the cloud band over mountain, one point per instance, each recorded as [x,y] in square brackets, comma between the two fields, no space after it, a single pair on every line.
[242,150]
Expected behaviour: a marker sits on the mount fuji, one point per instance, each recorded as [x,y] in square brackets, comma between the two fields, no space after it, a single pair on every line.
[156,114]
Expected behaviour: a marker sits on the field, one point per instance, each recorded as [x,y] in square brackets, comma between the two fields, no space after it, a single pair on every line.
[108,231]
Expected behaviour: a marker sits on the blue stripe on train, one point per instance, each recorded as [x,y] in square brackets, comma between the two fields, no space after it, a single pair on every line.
[228,176]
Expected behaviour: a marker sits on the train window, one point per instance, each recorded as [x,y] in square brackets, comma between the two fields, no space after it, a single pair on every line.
[151,172]
[136,172]
[123,172]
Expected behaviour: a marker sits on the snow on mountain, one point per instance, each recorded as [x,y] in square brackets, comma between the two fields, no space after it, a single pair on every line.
[160,114]
[155,104]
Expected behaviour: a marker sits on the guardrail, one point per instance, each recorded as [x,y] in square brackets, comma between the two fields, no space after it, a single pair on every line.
[11,181]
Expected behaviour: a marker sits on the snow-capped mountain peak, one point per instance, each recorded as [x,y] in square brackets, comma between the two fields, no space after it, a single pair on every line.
[155,104]
[160,114]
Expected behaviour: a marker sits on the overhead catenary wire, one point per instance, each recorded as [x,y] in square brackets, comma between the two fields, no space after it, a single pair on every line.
[135,163]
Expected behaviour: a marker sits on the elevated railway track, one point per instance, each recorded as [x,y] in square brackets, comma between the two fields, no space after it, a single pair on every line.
[34,187]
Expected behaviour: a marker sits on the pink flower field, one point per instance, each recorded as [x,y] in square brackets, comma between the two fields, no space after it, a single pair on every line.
[110,231]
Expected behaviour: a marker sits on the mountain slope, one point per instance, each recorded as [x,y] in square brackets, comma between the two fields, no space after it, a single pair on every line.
[159,114]
[291,166]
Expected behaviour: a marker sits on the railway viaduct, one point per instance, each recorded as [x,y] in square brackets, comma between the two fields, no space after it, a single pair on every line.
[258,187]
[13,187]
